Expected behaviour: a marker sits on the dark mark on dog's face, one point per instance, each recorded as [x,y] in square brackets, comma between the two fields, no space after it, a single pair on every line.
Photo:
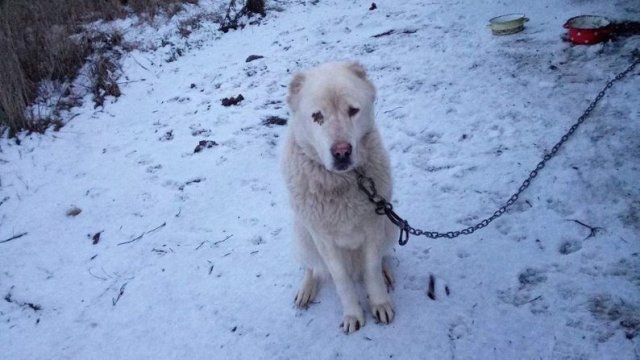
[318,118]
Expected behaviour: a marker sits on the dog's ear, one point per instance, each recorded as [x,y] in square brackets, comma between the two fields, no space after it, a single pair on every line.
[296,84]
[294,89]
[357,69]
[361,73]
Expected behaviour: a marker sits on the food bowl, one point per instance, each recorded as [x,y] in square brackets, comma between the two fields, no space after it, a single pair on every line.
[588,29]
[507,24]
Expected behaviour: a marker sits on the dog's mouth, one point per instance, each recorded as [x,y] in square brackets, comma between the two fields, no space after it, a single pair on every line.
[342,165]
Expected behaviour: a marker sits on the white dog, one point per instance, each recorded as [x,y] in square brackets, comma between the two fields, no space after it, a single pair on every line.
[331,133]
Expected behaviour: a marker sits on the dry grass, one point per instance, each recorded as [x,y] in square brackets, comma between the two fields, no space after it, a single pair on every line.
[232,21]
[44,40]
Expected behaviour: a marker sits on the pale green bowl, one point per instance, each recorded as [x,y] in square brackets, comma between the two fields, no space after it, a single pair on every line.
[507,24]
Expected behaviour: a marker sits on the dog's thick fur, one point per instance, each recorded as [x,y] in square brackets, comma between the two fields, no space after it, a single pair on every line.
[337,232]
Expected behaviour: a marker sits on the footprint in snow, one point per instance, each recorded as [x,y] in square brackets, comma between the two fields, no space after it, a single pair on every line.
[531,277]
[437,288]
[154,168]
[569,247]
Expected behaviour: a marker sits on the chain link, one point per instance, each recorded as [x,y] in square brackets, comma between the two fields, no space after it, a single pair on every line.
[383,207]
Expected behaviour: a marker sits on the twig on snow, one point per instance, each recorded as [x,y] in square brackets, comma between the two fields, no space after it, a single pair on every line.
[116,299]
[393,31]
[394,109]
[210,267]
[223,240]
[388,32]
[138,62]
[14,237]
[35,307]
[23,182]
[534,299]
[593,230]
[130,81]
[96,276]
[143,234]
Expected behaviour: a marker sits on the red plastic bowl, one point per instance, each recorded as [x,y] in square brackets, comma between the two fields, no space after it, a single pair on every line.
[588,29]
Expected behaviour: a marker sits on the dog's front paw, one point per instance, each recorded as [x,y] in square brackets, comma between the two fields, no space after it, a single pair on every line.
[352,323]
[383,312]
[303,298]
[307,293]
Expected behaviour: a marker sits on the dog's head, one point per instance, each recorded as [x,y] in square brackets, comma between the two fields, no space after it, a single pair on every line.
[332,109]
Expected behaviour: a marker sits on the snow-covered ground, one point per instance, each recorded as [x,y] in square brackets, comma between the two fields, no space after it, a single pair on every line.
[465,116]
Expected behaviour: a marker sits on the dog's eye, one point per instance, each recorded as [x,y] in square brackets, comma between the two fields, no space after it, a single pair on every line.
[318,117]
[353,111]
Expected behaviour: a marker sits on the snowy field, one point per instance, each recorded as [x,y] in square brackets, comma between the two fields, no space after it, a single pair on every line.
[193,260]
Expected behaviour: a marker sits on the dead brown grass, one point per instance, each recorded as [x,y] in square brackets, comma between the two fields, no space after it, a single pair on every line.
[44,40]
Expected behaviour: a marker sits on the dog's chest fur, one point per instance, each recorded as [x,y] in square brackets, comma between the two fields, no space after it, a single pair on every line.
[331,203]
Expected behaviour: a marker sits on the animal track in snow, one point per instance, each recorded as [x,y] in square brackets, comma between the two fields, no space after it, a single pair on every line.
[437,288]
[569,247]
[152,169]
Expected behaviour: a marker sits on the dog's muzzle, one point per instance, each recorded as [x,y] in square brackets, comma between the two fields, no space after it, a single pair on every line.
[341,156]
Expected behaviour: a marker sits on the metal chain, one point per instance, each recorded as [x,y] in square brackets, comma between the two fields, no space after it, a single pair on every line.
[383,207]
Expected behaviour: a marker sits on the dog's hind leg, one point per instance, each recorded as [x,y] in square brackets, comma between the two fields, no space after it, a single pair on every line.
[308,289]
